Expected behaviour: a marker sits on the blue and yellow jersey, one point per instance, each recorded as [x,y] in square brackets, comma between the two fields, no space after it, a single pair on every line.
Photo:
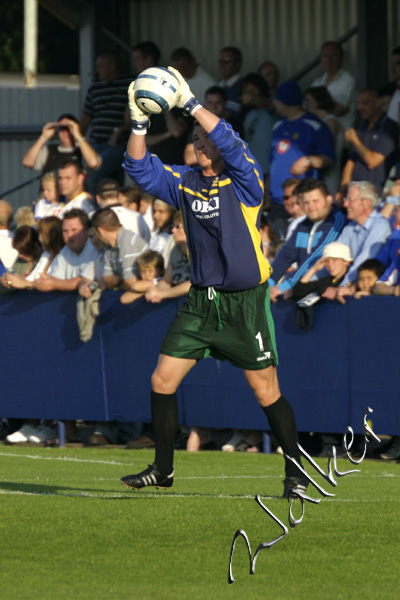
[292,139]
[221,214]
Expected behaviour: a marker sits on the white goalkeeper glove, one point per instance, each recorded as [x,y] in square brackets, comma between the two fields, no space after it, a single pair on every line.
[140,121]
[187,102]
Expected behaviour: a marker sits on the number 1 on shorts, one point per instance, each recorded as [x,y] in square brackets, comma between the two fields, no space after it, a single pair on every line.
[260,341]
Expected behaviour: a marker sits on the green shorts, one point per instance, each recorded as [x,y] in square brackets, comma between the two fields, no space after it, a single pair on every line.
[236,326]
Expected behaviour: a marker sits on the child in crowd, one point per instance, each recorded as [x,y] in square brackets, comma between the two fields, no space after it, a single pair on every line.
[336,258]
[368,274]
[175,281]
[49,205]
[24,216]
[150,265]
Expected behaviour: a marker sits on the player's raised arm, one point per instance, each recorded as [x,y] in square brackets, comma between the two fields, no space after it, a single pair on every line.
[190,106]
[140,122]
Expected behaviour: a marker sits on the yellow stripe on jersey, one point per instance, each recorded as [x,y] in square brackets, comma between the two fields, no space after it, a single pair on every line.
[212,192]
[250,160]
[193,193]
[225,182]
[174,173]
[250,214]
[235,135]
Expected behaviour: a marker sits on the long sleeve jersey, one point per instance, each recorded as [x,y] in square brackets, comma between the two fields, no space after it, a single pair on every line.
[221,214]
[305,246]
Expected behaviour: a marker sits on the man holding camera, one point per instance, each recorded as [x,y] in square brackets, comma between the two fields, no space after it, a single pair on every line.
[72,146]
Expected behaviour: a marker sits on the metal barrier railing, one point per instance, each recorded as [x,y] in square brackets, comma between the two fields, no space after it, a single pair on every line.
[20,186]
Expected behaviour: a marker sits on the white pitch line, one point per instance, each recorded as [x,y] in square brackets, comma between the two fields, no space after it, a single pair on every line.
[233,477]
[161,495]
[128,494]
[64,459]
[121,464]
[112,462]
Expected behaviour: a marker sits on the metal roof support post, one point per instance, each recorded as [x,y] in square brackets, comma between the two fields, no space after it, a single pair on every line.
[86,54]
[30,42]
[372,43]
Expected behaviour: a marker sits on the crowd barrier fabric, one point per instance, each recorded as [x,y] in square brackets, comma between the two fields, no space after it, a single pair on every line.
[331,375]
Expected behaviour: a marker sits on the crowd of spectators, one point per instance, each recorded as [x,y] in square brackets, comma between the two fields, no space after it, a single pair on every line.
[330,160]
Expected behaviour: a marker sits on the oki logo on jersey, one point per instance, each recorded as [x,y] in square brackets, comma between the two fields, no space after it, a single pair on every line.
[201,206]
[283,146]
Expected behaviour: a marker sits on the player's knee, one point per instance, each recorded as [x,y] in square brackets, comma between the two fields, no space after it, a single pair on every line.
[267,392]
[161,384]
[267,397]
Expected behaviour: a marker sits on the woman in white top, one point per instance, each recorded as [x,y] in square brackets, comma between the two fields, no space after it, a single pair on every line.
[319,102]
[161,239]
[51,240]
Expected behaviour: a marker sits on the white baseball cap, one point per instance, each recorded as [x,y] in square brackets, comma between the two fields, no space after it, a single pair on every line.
[337,250]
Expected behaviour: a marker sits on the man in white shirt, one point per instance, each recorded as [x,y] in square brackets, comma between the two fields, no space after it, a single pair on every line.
[146,209]
[199,80]
[71,181]
[7,252]
[107,196]
[122,247]
[340,83]
[66,269]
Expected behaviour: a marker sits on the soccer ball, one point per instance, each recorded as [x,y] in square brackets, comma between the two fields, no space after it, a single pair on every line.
[156,90]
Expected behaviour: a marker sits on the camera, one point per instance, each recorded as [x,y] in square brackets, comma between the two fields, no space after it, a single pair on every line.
[308,300]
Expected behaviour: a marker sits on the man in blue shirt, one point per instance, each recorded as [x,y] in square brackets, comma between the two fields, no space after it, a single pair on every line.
[302,146]
[366,233]
[322,225]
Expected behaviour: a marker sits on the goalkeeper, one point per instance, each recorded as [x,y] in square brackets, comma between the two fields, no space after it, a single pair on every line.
[226,313]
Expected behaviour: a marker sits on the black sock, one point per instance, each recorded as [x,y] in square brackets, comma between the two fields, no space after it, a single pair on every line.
[164,413]
[283,425]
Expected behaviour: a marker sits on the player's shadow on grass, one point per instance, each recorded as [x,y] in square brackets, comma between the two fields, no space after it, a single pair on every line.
[53,490]
[144,493]
[75,492]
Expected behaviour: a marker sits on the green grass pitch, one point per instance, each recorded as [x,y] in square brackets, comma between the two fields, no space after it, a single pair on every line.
[69,529]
